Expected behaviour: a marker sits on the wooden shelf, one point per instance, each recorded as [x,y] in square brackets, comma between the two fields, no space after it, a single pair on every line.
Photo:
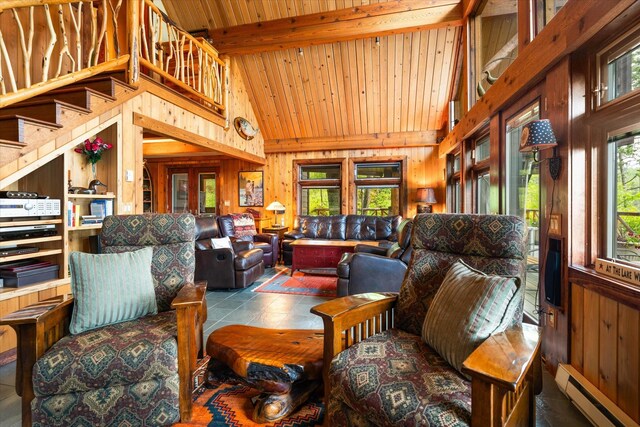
[7,293]
[91,196]
[28,222]
[30,255]
[34,240]
[86,227]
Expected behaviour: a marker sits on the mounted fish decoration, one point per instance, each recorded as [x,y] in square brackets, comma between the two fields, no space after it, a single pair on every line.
[244,128]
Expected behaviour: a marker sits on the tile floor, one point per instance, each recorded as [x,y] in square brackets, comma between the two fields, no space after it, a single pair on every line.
[281,311]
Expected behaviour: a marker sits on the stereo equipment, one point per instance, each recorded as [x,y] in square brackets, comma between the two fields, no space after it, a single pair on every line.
[27,232]
[552,273]
[20,250]
[20,195]
[15,208]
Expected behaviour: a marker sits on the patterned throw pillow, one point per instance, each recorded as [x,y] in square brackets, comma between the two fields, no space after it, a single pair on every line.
[110,288]
[243,225]
[466,310]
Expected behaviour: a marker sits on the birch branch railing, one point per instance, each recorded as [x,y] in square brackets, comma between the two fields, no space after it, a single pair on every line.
[82,38]
[189,64]
[78,43]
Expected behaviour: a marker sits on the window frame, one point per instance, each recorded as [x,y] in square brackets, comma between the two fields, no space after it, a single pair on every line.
[298,184]
[478,168]
[455,179]
[353,182]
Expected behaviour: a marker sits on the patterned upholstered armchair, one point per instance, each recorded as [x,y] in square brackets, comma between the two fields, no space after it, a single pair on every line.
[137,372]
[451,348]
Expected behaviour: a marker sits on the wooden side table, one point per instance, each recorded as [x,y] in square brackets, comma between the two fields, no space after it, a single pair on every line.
[259,222]
[280,232]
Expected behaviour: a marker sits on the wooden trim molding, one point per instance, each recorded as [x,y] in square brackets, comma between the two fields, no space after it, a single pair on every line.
[619,291]
[394,17]
[353,142]
[164,129]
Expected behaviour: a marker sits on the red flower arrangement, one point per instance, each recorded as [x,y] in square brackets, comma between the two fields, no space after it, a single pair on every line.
[93,149]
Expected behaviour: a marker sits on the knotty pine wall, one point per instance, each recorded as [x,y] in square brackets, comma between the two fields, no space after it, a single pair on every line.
[424,169]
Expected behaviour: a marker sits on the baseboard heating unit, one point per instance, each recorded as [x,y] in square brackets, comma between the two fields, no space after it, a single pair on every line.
[593,404]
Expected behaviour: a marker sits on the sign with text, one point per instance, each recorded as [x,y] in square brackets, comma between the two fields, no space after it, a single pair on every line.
[619,271]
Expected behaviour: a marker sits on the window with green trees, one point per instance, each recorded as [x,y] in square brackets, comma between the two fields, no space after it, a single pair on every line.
[378,188]
[624,197]
[319,188]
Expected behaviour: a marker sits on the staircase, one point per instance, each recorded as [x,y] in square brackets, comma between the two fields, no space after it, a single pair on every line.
[26,127]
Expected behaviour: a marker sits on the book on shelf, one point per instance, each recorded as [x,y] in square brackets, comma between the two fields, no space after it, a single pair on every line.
[101,207]
[90,219]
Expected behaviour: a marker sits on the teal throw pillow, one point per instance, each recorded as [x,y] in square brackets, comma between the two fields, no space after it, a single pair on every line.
[110,288]
[468,307]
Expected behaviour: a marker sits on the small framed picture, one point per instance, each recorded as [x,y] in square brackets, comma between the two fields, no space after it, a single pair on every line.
[250,188]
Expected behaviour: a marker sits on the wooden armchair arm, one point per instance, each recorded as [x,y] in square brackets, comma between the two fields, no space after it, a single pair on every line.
[191,314]
[504,372]
[37,327]
[351,319]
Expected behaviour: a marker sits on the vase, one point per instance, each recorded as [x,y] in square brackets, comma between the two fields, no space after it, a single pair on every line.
[93,170]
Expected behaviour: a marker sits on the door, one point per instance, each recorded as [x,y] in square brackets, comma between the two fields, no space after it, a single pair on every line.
[193,190]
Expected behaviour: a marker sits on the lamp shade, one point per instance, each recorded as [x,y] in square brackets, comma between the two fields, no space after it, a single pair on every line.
[426,195]
[537,135]
[275,206]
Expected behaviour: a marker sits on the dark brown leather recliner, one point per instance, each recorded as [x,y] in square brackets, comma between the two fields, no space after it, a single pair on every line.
[376,269]
[265,241]
[224,268]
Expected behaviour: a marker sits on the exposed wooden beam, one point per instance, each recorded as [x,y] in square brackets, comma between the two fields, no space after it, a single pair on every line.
[173,149]
[353,142]
[573,26]
[164,129]
[393,17]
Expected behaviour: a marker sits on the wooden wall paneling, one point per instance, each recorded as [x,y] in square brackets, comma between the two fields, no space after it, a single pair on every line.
[391,80]
[576,350]
[383,54]
[412,94]
[628,363]
[397,79]
[374,93]
[340,100]
[300,116]
[257,92]
[429,79]
[608,348]
[405,67]
[591,339]
[309,83]
[420,80]
[360,60]
[325,84]
[346,82]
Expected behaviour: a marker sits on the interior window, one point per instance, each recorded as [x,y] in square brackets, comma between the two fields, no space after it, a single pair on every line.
[480,175]
[319,186]
[545,10]
[619,68]
[495,41]
[378,188]
[523,197]
[624,197]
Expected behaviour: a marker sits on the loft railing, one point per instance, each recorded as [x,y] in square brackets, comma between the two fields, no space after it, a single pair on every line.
[82,38]
[189,64]
[49,44]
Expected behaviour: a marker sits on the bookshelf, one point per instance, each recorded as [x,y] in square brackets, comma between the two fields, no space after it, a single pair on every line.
[147,191]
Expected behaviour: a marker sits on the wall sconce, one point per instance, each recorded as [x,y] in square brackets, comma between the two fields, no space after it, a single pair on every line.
[538,135]
[426,196]
[277,208]
[300,51]
[377,40]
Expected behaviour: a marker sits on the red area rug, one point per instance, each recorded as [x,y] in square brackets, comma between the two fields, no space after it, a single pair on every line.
[300,284]
[230,405]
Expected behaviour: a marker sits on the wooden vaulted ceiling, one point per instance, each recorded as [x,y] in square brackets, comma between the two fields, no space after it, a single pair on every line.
[318,69]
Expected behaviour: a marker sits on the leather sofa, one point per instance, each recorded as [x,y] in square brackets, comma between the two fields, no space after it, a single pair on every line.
[375,269]
[341,227]
[225,268]
[266,241]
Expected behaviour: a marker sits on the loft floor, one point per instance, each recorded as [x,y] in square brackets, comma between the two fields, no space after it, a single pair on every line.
[292,311]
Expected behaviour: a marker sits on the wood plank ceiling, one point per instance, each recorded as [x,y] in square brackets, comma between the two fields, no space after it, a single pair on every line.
[375,67]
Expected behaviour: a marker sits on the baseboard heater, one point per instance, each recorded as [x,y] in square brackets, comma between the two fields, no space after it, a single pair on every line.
[593,404]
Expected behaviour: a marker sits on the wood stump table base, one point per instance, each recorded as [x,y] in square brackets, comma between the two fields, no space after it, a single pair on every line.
[285,365]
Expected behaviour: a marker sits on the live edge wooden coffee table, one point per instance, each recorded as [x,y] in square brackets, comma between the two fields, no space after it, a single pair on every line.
[284,364]
[309,253]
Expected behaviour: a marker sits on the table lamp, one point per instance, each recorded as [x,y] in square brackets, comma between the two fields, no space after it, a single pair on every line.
[426,196]
[277,208]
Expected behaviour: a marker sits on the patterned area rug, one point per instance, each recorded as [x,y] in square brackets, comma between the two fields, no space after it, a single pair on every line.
[230,405]
[300,283]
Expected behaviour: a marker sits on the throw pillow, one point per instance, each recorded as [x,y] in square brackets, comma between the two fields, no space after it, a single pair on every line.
[110,288]
[243,225]
[222,242]
[466,310]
